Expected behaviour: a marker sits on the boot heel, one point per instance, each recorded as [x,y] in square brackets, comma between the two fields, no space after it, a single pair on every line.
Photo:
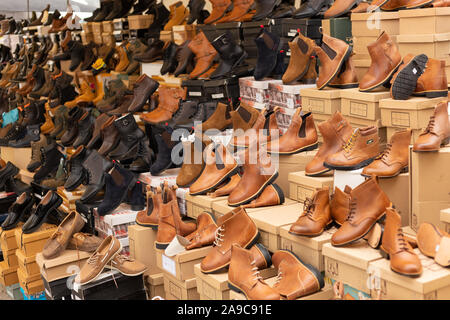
[404,170]
[384,254]
[445,142]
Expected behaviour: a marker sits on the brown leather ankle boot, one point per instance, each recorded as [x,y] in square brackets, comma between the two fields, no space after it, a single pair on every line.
[299,63]
[300,136]
[332,55]
[220,165]
[240,9]
[316,216]
[150,216]
[335,133]
[178,15]
[110,136]
[243,276]
[219,9]
[227,188]
[358,152]
[204,54]
[433,82]
[395,247]
[340,204]
[265,127]
[367,205]
[261,256]
[347,78]
[437,133]
[434,243]
[219,120]
[170,223]
[394,159]
[311,75]
[271,196]
[169,102]
[205,233]
[244,117]
[385,60]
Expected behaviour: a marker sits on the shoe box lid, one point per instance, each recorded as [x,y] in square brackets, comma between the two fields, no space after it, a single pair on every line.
[57,289]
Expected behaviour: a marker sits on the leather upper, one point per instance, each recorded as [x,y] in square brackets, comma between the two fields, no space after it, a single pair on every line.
[437,130]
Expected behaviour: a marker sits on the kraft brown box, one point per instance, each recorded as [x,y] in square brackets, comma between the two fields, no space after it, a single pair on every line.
[326,101]
[361,67]
[181,266]
[154,284]
[33,243]
[87,27]
[429,186]
[309,249]
[195,205]
[108,39]
[424,21]
[166,36]
[373,24]
[97,27]
[30,283]
[290,163]
[269,223]
[98,39]
[362,105]
[28,264]
[10,258]
[183,33]
[214,286]
[435,46]
[176,289]
[107,27]
[301,186]
[415,133]
[19,156]
[221,208]
[140,239]
[360,44]
[8,276]
[413,113]
[137,22]
[349,264]
[86,37]
[397,189]
[445,219]
[432,284]
[67,264]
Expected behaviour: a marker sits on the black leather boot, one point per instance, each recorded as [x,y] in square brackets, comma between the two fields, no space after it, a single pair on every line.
[231,55]
[32,135]
[185,113]
[85,129]
[76,50]
[130,136]
[116,10]
[195,8]
[12,27]
[19,209]
[89,56]
[141,6]
[48,205]
[310,9]
[7,172]
[95,13]
[169,57]
[95,166]
[264,8]
[118,182]
[77,173]
[105,10]
[39,77]
[51,157]
[160,20]
[268,45]
[136,197]
[163,157]
[72,126]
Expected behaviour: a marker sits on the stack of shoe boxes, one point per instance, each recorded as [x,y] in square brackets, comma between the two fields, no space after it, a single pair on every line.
[29,245]
[302,186]
[107,33]
[9,265]
[425,31]
[139,23]
[340,28]
[121,31]
[97,30]
[195,205]
[69,198]
[445,219]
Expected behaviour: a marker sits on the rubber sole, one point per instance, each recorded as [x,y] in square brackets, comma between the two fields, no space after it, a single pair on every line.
[265,253]
[360,165]
[443,144]
[431,93]
[310,147]
[205,191]
[403,170]
[327,227]
[317,174]
[344,58]
[405,81]
[154,227]
[385,255]
[386,80]
[344,86]
[279,192]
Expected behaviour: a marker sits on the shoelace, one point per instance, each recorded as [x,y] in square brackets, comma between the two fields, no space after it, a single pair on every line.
[255,274]
[349,145]
[352,210]
[386,152]
[430,125]
[308,207]
[94,259]
[219,234]
[279,277]
[402,241]
[56,234]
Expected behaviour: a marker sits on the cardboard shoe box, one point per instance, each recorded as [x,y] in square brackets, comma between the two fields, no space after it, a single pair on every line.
[8,238]
[181,266]
[430,185]
[10,258]
[183,33]
[433,45]
[253,90]
[33,243]
[30,283]
[176,289]
[286,96]
[424,21]
[140,239]
[221,208]
[445,219]
[396,189]
[349,264]
[28,264]
[8,276]
[357,106]
[67,264]
[321,102]
[195,205]
[154,284]
[309,249]
[302,186]
[432,284]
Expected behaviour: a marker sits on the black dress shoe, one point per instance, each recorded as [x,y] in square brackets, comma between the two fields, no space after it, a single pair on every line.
[283,11]
[9,171]
[169,57]
[231,55]
[105,10]
[310,9]
[18,210]
[32,134]
[264,8]
[195,10]
[49,203]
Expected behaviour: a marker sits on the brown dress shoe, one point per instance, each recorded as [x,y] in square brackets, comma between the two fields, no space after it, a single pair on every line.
[227,188]
[59,240]
[193,162]
[340,204]
[385,60]
[295,278]
[265,127]
[367,205]
[261,255]
[108,249]
[433,82]
[394,159]
[243,276]
[271,196]
[220,165]
[204,54]
[219,120]
[437,133]
[170,223]
[332,55]
[60,25]
[126,266]
[178,16]
[84,242]
[340,8]
[149,217]
[316,216]
[395,247]
[362,7]
[335,133]
[110,136]
[434,242]
[235,227]
[240,9]
[219,9]
[359,151]
[244,117]
[258,174]
[299,63]
[347,78]
[376,5]
[392,5]
[300,136]
[169,102]
[205,233]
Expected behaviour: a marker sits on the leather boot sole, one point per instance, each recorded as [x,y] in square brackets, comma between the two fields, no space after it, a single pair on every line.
[444,142]
[148,225]
[431,93]
[403,170]
[310,147]
[406,80]
[311,235]
[344,86]
[384,81]
[386,256]
[346,56]
[317,174]
[205,191]
[374,236]
[52,208]
[256,195]
[357,166]
[265,253]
